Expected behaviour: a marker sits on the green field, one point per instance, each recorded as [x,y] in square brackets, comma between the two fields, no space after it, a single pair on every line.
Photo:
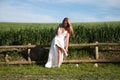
[42,34]
[84,71]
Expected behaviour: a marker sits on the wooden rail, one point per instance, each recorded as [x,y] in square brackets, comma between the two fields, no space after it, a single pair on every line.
[65,61]
[70,45]
[29,46]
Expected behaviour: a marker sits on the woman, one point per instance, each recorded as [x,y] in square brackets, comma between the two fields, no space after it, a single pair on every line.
[59,44]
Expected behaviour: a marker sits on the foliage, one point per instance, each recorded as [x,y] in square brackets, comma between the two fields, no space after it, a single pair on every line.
[42,33]
[67,72]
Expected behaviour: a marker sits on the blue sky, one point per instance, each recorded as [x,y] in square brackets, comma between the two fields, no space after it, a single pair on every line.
[56,10]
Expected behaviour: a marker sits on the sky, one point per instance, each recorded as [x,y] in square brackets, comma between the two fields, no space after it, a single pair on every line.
[45,11]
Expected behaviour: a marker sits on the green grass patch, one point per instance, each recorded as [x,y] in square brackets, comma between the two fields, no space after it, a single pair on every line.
[84,71]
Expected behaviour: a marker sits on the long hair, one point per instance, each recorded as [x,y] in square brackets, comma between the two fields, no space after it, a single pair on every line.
[69,26]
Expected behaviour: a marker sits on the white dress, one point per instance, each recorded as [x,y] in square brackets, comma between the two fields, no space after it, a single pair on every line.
[58,40]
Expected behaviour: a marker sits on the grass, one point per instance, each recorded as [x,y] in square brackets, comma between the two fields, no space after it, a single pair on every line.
[43,33]
[85,71]
[12,33]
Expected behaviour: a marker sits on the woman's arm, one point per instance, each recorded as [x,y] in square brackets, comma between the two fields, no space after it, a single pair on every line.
[67,41]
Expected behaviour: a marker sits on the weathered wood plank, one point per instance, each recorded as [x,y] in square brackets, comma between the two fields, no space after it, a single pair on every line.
[65,61]
[17,46]
[109,44]
[96,52]
[91,61]
[83,44]
[70,45]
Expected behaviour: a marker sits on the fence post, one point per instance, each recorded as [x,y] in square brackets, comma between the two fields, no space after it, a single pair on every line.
[96,51]
[29,52]
[6,58]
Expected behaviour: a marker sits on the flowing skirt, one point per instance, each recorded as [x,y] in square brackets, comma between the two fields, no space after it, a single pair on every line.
[53,54]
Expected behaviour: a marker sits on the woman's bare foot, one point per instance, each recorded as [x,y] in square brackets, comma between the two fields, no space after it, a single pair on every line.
[58,66]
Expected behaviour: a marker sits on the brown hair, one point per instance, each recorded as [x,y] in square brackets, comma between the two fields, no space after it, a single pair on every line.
[69,26]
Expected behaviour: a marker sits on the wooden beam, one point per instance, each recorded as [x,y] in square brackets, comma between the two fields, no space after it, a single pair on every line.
[91,61]
[18,62]
[17,46]
[29,50]
[83,44]
[65,61]
[109,44]
[96,51]
[70,45]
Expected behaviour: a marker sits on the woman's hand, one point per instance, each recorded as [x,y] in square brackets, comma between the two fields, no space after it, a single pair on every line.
[66,48]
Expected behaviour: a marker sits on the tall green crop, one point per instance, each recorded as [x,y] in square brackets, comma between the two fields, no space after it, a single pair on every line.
[42,33]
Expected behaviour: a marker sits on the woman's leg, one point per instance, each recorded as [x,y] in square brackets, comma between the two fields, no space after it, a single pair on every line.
[59,51]
[59,57]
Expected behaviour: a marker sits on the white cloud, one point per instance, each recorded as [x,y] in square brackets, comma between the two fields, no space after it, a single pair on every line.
[111,3]
[22,13]
[97,3]
[30,12]
[26,17]
[83,17]
[112,18]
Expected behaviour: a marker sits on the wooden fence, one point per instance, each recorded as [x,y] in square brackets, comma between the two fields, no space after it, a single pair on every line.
[29,47]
